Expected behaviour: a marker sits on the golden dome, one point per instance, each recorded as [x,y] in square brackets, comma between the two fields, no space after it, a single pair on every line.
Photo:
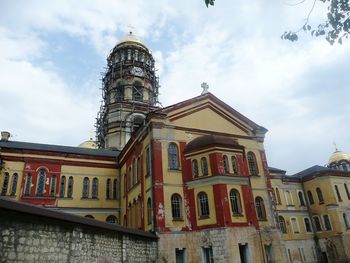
[130,38]
[338,156]
[90,144]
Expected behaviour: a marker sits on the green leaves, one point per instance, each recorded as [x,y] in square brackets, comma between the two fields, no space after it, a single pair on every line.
[209,2]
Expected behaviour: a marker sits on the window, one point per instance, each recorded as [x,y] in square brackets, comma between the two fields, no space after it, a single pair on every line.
[289,198]
[28,185]
[94,188]
[307,225]
[149,211]
[115,189]
[226,165]
[70,187]
[112,219]
[148,161]
[180,255]
[282,224]
[253,169]
[327,222]
[108,189]
[301,199]
[41,182]
[195,168]
[173,156]
[134,172]
[203,204]
[62,186]
[347,191]
[278,196]
[295,225]
[317,223]
[234,165]
[130,177]
[86,185]
[5,184]
[346,220]
[208,255]
[204,164]
[137,92]
[235,199]
[53,185]
[89,216]
[176,206]
[338,193]
[311,198]
[260,208]
[14,184]
[319,195]
[138,170]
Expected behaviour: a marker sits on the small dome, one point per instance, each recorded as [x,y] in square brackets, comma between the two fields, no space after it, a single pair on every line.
[338,156]
[211,140]
[130,38]
[90,144]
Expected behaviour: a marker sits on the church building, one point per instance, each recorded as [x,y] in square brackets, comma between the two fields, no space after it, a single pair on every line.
[194,173]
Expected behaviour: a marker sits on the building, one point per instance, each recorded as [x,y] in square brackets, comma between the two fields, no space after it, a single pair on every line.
[195,173]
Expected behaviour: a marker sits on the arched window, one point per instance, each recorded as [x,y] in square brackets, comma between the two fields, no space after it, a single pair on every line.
[319,195]
[301,199]
[338,193]
[327,222]
[108,189]
[119,94]
[204,165]
[278,196]
[317,223]
[115,189]
[94,188]
[86,185]
[226,165]
[176,206]
[195,168]
[137,92]
[295,225]
[310,197]
[307,225]
[282,224]
[134,172]
[260,208]
[347,191]
[234,165]
[53,185]
[203,204]
[62,186]
[138,170]
[14,184]
[346,220]
[130,178]
[70,187]
[112,219]
[41,182]
[235,199]
[89,216]
[173,156]
[28,185]
[253,168]
[149,211]
[5,184]
[148,161]
[289,199]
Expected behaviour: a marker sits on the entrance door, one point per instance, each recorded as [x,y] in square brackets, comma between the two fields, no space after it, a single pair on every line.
[244,253]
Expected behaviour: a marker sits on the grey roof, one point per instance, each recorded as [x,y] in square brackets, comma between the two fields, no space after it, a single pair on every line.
[57,148]
[311,170]
[276,170]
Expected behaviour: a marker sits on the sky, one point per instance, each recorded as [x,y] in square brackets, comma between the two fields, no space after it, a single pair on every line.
[52,54]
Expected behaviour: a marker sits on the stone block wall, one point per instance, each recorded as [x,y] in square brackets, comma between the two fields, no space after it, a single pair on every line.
[34,237]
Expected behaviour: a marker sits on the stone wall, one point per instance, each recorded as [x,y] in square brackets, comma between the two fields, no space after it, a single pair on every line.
[33,234]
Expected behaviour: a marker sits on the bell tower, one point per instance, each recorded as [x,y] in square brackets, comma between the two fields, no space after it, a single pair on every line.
[129,92]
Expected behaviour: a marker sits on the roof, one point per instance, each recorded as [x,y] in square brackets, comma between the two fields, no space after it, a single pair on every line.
[312,170]
[276,170]
[338,156]
[211,140]
[20,207]
[131,39]
[57,148]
